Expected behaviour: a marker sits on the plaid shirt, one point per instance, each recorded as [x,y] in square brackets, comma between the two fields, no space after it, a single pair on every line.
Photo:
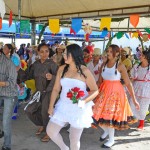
[8,74]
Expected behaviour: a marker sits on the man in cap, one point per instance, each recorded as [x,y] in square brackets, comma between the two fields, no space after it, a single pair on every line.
[95,64]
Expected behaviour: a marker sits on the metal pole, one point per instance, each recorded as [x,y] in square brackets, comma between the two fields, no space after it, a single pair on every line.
[128,24]
[33,32]
[19,10]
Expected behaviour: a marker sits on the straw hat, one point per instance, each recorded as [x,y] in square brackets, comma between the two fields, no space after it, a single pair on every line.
[127,50]
[97,51]
[1,43]
[62,47]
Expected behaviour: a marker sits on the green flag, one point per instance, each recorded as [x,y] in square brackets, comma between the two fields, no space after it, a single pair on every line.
[147,30]
[24,26]
[40,27]
[119,35]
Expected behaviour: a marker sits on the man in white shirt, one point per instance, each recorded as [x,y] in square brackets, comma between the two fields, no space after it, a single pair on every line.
[95,64]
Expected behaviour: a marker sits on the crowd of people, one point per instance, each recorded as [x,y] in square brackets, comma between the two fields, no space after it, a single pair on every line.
[79,86]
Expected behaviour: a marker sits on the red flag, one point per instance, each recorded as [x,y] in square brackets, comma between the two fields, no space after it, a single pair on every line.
[149,36]
[0,23]
[10,18]
[139,32]
[130,33]
[72,31]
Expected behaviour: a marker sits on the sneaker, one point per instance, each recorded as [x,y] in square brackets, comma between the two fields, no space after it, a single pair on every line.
[6,148]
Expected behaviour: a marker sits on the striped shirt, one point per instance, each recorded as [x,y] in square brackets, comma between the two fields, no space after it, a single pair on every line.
[8,74]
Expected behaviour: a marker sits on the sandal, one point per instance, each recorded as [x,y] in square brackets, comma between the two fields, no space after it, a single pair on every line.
[40,130]
[46,138]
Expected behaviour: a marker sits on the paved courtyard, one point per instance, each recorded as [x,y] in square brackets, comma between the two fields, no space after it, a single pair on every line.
[24,137]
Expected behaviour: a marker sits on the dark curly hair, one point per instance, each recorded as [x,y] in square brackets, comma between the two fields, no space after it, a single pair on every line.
[115,49]
[77,55]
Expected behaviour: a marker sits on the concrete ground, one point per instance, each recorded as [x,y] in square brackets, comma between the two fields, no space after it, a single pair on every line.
[24,137]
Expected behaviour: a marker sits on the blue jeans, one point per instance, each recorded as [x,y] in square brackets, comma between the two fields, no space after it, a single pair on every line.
[9,103]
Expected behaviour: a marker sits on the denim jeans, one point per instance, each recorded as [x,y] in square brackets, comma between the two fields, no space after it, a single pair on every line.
[9,103]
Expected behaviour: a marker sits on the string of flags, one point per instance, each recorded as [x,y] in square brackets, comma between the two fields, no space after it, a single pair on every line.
[76,26]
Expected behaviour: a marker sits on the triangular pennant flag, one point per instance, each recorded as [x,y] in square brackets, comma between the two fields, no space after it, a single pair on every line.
[147,30]
[139,32]
[126,35]
[54,25]
[25,26]
[135,35]
[119,35]
[104,33]
[130,33]
[76,24]
[0,23]
[72,31]
[105,23]
[10,18]
[134,20]
[40,27]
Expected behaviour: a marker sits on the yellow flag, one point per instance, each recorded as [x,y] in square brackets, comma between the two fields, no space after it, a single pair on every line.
[135,34]
[105,23]
[54,25]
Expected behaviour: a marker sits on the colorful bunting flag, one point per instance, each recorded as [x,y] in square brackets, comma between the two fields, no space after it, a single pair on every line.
[76,24]
[135,35]
[130,33]
[0,23]
[72,31]
[54,25]
[139,32]
[105,23]
[40,27]
[24,26]
[104,33]
[147,30]
[126,35]
[134,20]
[10,18]
[119,35]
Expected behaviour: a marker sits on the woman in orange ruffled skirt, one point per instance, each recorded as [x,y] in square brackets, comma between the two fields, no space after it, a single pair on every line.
[112,110]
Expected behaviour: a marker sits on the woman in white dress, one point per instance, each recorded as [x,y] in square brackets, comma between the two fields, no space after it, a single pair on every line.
[78,115]
[141,83]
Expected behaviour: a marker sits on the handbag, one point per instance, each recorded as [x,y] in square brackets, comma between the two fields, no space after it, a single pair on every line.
[33,109]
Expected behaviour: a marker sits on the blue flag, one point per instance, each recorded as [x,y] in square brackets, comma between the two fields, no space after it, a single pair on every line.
[126,35]
[76,24]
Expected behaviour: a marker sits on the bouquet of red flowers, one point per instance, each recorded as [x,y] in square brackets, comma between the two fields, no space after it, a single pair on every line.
[75,94]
